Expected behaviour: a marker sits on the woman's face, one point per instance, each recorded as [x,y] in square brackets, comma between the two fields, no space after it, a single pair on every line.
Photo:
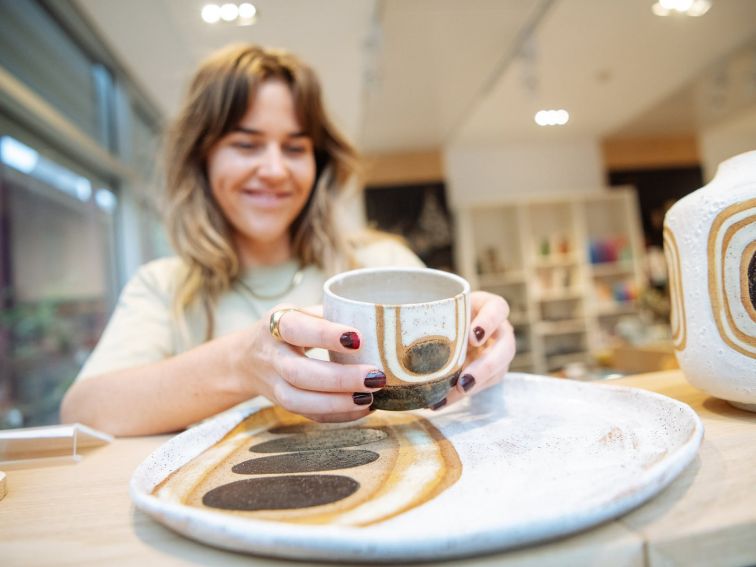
[262,172]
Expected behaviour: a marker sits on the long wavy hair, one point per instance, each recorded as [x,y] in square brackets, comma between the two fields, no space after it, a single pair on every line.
[218,98]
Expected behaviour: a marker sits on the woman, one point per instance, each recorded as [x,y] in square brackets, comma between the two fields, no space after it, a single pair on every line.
[253,168]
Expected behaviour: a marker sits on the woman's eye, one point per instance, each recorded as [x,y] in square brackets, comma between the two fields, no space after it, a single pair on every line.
[296,149]
[246,145]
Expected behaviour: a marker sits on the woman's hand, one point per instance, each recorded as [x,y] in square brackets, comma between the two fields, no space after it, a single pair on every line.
[279,370]
[491,347]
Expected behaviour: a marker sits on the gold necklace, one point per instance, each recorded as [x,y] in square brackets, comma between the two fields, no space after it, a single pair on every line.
[296,279]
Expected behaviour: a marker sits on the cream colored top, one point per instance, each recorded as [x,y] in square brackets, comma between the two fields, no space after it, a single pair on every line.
[142,328]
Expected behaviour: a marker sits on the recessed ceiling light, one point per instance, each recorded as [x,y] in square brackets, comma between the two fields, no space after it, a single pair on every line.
[693,8]
[243,14]
[211,13]
[552,117]
[247,11]
[229,12]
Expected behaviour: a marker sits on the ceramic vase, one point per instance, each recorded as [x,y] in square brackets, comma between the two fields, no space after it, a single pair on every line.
[710,247]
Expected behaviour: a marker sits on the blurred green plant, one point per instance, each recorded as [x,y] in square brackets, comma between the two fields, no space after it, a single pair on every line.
[39,347]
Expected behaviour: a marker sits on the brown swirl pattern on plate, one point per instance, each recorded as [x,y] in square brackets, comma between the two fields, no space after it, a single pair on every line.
[278,466]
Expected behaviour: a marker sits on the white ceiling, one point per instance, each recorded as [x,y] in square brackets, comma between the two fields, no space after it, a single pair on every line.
[419,74]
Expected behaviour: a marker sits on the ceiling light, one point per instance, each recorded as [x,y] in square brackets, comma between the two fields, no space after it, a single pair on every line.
[552,117]
[211,13]
[243,14]
[247,11]
[693,8]
[229,12]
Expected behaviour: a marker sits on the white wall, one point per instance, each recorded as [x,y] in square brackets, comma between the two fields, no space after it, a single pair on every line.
[481,174]
[727,139]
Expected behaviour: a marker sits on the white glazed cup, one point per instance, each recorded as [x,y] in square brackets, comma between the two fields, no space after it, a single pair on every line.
[413,325]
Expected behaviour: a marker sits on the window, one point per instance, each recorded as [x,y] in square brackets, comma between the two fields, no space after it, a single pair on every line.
[57,281]
[40,54]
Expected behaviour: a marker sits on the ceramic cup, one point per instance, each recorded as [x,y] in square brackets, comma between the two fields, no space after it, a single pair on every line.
[414,325]
[710,245]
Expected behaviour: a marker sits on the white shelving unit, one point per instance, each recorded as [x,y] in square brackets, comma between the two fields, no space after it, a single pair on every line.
[570,268]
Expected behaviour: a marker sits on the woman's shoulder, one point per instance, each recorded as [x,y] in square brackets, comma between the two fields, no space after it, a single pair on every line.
[161,275]
[373,249]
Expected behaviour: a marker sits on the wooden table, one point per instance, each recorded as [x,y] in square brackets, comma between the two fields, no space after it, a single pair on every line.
[81,514]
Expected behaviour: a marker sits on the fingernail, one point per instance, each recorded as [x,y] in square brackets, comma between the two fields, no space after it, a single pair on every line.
[438,405]
[362,398]
[375,379]
[350,340]
[454,379]
[467,381]
[479,333]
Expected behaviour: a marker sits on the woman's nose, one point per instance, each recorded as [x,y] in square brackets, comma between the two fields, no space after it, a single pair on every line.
[273,165]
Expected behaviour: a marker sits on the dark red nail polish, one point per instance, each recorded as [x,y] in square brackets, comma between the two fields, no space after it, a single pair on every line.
[438,405]
[362,398]
[479,333]
[350,340]
[467,381]
[375,379]
[454,379]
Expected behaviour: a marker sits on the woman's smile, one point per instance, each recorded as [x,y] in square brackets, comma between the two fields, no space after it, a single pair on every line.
[267,198]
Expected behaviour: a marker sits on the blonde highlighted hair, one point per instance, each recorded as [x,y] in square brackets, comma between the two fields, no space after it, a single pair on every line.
[218,98]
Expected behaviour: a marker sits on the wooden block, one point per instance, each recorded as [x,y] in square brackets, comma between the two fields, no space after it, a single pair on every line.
[3,489]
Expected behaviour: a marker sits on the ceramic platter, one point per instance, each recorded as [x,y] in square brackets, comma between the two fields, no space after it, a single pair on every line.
[531,459]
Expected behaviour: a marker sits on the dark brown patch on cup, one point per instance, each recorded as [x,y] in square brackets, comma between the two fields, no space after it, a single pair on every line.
[320,440]
[427,355]
[400,398]
[752,280]
[280,492]
[308,461]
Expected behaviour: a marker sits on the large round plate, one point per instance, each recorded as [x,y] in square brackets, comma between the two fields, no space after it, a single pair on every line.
[541,458]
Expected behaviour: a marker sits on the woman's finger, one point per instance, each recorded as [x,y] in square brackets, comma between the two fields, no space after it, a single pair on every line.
[488,368]
[309,403]
[323,376]
[489,312]
[305,329]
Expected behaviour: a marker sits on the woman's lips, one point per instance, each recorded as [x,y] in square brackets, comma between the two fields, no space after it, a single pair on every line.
[266,197]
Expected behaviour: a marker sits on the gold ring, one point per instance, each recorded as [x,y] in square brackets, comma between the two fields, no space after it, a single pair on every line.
[275,320]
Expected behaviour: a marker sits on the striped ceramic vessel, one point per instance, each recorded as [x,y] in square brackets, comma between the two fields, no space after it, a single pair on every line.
[710,246]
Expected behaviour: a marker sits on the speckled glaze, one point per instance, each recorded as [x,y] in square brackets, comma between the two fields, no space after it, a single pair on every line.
[710,245]
[541,458]
[414,324]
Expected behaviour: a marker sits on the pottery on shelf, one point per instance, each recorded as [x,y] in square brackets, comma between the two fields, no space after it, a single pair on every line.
[710,246]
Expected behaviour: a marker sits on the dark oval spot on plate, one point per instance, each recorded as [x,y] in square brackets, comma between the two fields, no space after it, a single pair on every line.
[424,357]
[320,440]
[752,280]
[281,492]
[308,461]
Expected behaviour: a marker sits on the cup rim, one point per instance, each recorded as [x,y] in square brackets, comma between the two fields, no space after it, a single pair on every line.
[333,279]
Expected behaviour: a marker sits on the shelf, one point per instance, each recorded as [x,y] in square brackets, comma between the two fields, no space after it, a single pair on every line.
[561,301]
[611,269]
[522,358]
[566,327]
[555,361]
[567,295]
[506,278]
[555,262]
[613,309]
[523,361]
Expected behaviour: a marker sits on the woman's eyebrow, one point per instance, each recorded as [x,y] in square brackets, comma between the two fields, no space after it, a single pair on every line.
[255,132]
